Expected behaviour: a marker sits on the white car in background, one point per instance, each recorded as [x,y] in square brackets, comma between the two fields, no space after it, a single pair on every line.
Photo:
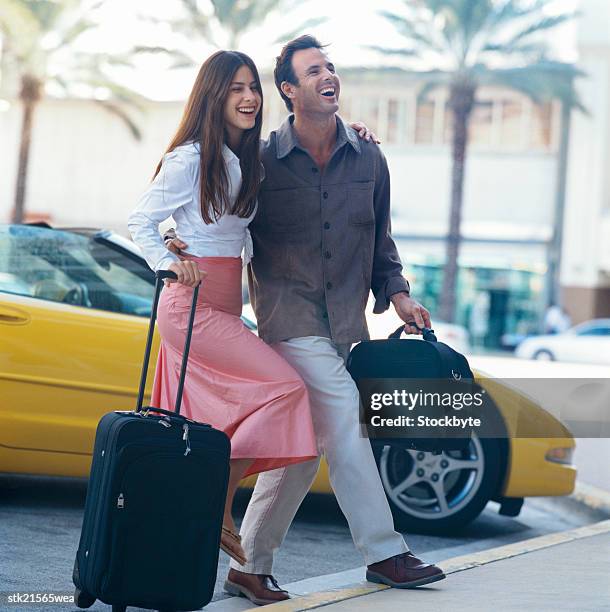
[382,325]
[588,342]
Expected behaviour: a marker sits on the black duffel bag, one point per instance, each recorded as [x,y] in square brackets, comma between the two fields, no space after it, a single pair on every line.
[405,363]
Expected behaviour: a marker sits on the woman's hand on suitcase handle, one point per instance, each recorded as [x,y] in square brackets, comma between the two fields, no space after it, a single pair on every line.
[410,310]
[187,272]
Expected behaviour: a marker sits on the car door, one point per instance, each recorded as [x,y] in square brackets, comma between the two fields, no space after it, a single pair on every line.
[72,341]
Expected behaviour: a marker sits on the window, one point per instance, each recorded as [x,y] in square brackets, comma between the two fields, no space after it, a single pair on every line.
[479,132]
[71,268]
[596,330]
[424,123]
[541,132]
[511,131]
[369,113]
[394,122]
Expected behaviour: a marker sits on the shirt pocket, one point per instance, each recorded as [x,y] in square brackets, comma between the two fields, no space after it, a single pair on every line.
[360,204]
[288,212]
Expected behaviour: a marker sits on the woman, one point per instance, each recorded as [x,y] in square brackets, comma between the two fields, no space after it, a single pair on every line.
[208,180]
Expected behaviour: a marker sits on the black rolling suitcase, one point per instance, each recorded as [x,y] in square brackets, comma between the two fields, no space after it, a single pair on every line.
[400,361]
[155,501]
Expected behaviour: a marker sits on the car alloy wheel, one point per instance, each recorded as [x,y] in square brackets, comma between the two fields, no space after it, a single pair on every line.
[434,492]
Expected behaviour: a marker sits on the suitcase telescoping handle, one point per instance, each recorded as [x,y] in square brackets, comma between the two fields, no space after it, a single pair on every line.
[160,275]
[427,333]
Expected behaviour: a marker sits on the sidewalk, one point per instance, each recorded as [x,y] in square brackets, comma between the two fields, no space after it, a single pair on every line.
[567,571]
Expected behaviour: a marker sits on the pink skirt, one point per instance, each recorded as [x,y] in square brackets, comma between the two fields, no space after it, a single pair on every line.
[234,381]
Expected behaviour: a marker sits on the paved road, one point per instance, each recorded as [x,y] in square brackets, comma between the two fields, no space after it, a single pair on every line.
[40,521]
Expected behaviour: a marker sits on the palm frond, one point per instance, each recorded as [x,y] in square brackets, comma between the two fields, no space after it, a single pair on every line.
[117,91]
[178,64]
[537,49]
[239,16]
[546,23]
[115,109]
[306,25]
[541,82]
[223,9]
[509,12]
[413,30]
[18,25]
[470,18]
[47,12]
[179,58]
[61,83]
[197,20]
[432,81]
[262,8]
[74,31]
[389,51]
[155,50]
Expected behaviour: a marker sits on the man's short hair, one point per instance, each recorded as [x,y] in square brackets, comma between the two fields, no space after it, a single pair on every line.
[283,63]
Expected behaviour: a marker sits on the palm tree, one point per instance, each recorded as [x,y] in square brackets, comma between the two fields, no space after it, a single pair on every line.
[231,18]
[39,39]
[471,43]
[238,16]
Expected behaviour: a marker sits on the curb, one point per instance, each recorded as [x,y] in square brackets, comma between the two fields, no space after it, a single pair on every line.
[592,497]
[450,566]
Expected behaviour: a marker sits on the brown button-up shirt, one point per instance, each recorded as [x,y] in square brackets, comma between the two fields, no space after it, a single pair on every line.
[322,239]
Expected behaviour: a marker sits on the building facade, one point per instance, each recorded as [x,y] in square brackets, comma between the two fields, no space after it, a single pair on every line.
[585,269]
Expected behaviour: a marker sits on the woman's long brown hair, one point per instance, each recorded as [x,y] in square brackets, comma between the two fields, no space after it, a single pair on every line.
[203,122]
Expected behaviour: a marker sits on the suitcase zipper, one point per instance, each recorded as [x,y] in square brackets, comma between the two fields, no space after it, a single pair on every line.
[185,437]
[98,506]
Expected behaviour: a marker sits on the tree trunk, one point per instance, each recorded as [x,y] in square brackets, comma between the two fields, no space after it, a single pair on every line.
[461,102]
[31,89]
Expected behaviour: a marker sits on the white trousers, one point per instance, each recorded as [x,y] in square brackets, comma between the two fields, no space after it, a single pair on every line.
[353,473]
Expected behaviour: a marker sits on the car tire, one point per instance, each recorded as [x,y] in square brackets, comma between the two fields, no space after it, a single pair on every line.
[544,355]
[466,490]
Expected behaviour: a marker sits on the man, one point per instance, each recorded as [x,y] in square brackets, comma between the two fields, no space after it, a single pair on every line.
[321,243]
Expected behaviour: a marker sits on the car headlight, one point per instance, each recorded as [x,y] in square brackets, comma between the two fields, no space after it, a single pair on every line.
[560,455]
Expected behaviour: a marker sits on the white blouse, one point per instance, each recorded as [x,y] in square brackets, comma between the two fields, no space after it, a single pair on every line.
[175,192]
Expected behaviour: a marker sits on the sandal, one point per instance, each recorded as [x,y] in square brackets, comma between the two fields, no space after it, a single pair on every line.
[228,538]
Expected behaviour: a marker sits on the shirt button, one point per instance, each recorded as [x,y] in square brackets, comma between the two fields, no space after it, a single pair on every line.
[325,195]
[327,225]
[314,170]
[327,255]
[329,285]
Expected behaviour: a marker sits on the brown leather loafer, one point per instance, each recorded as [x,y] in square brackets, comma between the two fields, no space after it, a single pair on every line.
[403,571]
[260,589]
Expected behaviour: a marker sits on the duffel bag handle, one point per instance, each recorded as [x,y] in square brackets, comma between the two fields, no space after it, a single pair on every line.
[427,333]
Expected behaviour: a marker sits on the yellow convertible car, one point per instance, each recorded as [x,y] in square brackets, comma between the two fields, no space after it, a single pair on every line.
[74,306]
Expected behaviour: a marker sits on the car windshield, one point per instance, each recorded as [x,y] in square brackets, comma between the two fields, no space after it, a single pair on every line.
[73,268]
